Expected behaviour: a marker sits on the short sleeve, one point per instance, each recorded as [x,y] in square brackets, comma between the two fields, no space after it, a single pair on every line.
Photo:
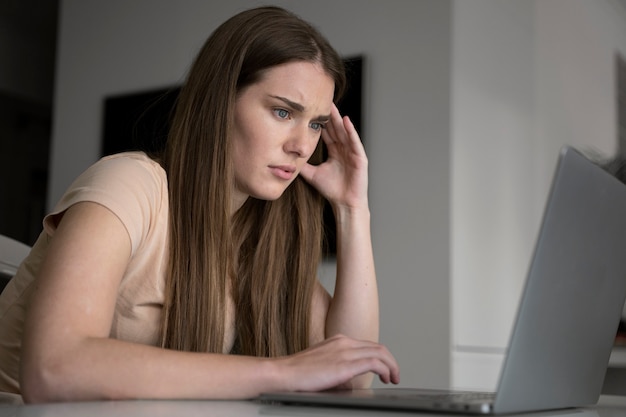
[130,185]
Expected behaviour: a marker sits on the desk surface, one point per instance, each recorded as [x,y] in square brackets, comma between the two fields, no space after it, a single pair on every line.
[608,407]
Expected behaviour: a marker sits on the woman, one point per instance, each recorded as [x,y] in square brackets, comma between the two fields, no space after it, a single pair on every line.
[192,274]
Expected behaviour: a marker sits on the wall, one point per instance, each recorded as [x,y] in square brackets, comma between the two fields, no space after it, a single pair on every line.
[492,138]
[119,46]
[27,38]
[528,77]
[27,45]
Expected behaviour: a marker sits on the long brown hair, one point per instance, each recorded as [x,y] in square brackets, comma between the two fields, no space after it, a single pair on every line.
[266,255]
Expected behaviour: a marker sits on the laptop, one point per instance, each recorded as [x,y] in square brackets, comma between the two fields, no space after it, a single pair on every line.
[568,314]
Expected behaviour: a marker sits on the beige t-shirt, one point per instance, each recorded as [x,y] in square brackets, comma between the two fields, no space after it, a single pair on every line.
[134,188]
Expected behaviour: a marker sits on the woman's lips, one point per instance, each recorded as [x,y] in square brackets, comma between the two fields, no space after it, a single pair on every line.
[284,172]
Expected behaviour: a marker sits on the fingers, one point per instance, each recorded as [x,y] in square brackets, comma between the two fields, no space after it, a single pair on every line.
[342,178]
[308,171]
[338,362]
[335,130]
[340,131]
[376,358]
[362,356]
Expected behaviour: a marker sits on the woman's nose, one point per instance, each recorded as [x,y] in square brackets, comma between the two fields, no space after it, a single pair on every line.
[302,143]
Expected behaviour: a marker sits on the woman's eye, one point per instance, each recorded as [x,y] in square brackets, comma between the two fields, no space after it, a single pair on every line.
[317,126]
[282,113]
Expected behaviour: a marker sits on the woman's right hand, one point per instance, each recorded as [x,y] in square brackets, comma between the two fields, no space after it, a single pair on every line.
[334,362]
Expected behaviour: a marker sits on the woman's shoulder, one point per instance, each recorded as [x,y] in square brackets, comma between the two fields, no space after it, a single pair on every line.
[136,162]
[128,172]
[128,178]
[131,185]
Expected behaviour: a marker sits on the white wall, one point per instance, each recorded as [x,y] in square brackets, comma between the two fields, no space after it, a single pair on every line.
[528,77]
[492,137]
[120,46]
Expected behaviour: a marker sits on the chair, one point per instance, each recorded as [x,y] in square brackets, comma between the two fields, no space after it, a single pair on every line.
[12,253]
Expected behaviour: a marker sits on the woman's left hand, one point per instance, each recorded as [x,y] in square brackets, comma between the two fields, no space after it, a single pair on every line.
[342,178]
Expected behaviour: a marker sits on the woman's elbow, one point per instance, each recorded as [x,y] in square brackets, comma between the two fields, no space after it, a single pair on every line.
[42,383]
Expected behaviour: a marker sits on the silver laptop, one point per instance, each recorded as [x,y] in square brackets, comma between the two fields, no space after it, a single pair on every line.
[568,314]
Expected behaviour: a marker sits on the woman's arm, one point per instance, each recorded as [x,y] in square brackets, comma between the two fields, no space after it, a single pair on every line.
[68,355]
[353,309]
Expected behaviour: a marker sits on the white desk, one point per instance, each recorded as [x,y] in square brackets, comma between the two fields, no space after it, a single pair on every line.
[611,407]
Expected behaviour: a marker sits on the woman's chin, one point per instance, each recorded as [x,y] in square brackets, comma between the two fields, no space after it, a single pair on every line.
[269,195]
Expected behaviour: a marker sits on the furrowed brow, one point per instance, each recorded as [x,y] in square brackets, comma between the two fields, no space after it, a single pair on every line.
[300,108]
[296,106]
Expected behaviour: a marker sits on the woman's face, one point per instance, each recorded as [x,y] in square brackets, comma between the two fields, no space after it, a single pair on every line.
[278,123]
